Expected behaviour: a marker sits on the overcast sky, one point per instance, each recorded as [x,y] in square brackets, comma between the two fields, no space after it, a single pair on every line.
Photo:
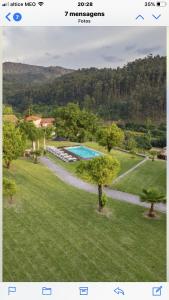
[79,47]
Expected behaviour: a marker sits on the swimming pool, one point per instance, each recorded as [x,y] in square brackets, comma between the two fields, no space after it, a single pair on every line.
[84,152]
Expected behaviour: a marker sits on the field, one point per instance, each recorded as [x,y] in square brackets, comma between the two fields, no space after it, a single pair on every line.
[126,160]
[54,233]
[150,174]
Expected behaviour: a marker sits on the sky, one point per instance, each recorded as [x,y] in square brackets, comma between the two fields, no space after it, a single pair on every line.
[82,47]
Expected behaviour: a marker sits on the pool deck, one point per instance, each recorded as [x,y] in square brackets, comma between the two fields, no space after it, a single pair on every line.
[71,153]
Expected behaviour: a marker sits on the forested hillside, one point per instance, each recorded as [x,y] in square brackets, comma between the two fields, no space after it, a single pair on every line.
[19,77]
[136,92]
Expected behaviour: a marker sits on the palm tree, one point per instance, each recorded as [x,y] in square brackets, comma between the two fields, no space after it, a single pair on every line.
[31,132]
[47,133]
[152,196]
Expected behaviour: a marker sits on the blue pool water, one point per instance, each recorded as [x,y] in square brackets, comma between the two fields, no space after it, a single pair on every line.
[84,152]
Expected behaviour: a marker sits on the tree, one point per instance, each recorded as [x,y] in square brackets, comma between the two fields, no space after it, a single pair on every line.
[39,135]
[153,154]
[143,142]
[111,136]
[135,92]
[7,110]
[152,196]
[130,143]
[101,171]
[47,133]
[9,188]
[13,143]
[31,132]
[75,124]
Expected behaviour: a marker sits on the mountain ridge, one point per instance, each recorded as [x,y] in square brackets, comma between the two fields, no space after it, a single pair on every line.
[27,73]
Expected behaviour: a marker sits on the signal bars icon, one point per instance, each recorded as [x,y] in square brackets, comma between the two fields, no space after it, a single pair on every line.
[7,4]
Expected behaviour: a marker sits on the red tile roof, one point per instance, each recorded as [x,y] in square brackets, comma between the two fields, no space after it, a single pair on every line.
[47,120]
[32,118]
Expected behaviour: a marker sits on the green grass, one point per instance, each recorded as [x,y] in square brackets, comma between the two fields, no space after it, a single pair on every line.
[126,160]
[61,144]
[150,174]
[54,233]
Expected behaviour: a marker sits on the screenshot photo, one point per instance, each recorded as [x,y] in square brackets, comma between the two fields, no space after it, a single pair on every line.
[84,154]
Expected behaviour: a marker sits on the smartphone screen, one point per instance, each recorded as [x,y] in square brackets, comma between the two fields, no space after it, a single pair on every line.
[83,150]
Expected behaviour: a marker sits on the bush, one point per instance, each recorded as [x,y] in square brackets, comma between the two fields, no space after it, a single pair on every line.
[9,188]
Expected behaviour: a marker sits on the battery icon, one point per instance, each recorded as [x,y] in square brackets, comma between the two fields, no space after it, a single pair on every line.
[161,3]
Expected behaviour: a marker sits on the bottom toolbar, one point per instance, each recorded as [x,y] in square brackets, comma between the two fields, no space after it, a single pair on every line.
[90,291]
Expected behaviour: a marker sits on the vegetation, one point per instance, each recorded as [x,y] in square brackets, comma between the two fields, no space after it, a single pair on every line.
[32,133]
[18,77]
[147,175]
[75,124]
[101,171]
[153,135]
[126,160]
[143,142]
[110,136]
[36,154]
[130,143]
[153,154]
[136,92]
[47,134]
[59,236]
[9,188]
[88,246]
[13,143]
[152,196]
[7,110]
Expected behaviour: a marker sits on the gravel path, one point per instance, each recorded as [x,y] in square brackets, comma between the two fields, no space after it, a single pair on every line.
[68,178]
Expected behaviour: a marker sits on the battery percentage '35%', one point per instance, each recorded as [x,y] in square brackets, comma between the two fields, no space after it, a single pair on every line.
[159,3]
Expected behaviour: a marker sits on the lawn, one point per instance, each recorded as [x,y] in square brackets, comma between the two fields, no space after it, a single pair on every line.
[54,233]
[126,160]
[150,174]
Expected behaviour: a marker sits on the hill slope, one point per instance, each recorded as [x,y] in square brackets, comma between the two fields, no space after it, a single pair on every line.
[52,232]
[18,77]
[30,73]
[136,92]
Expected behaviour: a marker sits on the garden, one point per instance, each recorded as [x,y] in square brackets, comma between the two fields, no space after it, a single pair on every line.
[61,233]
